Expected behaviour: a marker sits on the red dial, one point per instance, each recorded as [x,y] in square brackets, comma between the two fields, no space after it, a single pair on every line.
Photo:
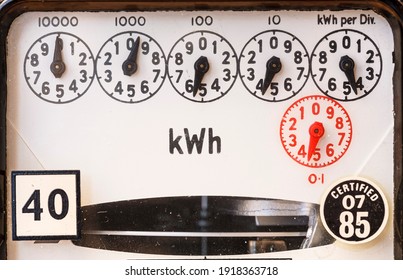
[316,131]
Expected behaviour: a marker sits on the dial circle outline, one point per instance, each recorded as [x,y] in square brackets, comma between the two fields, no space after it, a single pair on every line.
[233,76]
[305,54]
[293,152]
[377,76]
[150,39]
[329,204]
[90,57]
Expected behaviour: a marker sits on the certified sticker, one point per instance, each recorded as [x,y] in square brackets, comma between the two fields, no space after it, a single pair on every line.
[45,205]
[354,210]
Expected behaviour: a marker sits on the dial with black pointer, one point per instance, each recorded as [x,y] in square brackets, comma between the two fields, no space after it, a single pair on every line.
[129,66]
[358,58]
[201,68]
[274,65]
[57,67]
[347,66]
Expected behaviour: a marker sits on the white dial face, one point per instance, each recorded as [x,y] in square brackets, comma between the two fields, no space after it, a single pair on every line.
[59,67]
[202,66]
[131,67]
[274,65]
[155,104]
[346,64]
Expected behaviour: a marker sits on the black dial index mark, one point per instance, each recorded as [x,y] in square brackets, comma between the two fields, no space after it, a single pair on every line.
[347,66]
[57,67]
[129,66]
[273,66]
[201,67]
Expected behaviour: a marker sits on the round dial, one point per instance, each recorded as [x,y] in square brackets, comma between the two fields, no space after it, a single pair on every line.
[316,131]
[274,65]
[202,66]
[59,67]
[131,67]
[346,65]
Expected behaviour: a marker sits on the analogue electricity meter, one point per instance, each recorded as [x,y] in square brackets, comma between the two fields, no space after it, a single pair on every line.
[194,129]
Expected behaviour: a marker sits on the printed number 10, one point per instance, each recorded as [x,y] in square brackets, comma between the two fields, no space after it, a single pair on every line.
[33,205]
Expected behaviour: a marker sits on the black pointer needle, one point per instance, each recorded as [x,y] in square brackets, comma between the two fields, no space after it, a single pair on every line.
[347,66]
[273,66]
[201,67]
[57,67]
[129,66]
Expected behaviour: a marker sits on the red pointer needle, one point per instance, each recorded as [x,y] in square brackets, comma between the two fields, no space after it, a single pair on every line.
[316,131]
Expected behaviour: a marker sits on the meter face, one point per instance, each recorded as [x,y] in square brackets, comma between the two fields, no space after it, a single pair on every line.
[223,126]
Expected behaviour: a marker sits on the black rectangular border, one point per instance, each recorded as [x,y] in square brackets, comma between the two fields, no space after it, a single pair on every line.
[392,10]
[14,175]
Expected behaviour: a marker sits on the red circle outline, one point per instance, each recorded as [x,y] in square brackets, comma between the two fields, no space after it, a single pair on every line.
[335,103]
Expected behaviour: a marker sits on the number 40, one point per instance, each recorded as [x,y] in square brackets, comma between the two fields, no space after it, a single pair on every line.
[33,205]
